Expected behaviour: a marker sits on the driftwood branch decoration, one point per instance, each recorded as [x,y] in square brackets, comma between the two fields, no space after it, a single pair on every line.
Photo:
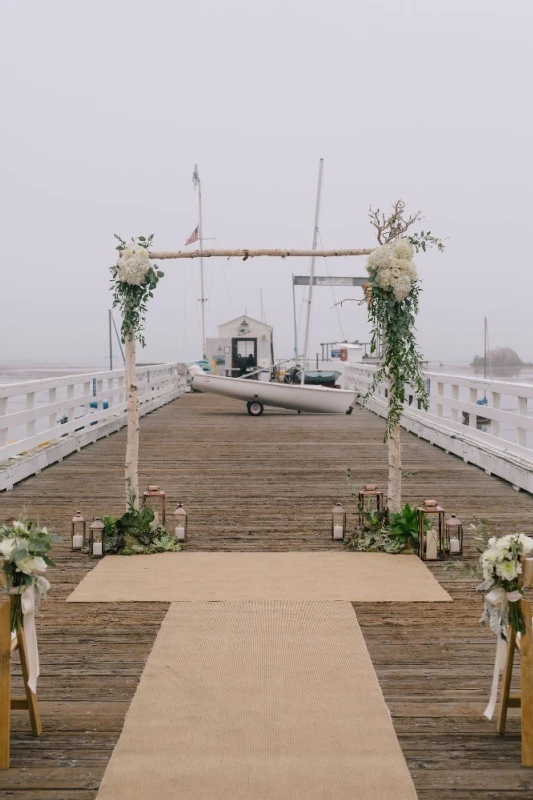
[244,253]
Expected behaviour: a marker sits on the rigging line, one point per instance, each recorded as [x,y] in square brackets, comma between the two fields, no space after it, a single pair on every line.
[335,306]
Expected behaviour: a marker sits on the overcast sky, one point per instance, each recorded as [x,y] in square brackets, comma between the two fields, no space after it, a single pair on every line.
[109,104]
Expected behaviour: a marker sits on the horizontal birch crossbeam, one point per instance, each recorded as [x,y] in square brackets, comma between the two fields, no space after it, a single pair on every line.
[245,254]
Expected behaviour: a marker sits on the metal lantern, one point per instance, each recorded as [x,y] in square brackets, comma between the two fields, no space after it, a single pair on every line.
[96,538]
[431,535]
[338,522]
[78,528]
[180,523]
[454,535]
[154,498]
[370,500]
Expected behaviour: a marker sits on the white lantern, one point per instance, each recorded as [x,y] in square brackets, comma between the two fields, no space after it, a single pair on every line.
[338,523]
[180,523]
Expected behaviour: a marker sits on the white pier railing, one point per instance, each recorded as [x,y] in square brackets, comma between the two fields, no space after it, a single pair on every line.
[496,434]
[43,421]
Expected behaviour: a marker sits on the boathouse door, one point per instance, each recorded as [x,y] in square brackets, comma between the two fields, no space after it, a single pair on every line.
[243,348]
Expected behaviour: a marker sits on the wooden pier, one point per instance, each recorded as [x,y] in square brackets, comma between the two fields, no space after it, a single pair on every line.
[265,484]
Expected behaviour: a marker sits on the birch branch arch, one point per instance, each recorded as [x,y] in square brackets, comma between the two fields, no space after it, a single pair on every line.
[381,324]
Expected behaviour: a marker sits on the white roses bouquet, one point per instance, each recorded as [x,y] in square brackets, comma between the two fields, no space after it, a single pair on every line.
[501,568]
[391,266]
[23,548]
[133,265]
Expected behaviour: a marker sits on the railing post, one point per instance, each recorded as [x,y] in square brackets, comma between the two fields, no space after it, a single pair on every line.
[71,409]
[440,393]
[472,418]
[3,412]
[494,423]
[110,388]
[522,432]
[30,403]
[52,418]
[455,396]
[99,390]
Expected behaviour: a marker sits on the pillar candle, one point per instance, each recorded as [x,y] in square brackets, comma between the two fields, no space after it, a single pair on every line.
[97,548]
[455,546]
[431,546]
[338,532]
[77,541]
[179,532]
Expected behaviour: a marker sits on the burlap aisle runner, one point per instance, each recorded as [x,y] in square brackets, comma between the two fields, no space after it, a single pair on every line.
[255,701]
[172,577]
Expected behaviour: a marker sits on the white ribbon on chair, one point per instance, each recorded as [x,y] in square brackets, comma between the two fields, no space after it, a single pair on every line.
[30,600]
[499,597]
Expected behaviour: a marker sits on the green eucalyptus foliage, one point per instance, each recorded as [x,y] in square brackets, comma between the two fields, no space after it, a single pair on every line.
[135,532]
[130,298]
[400,365]
[393,323]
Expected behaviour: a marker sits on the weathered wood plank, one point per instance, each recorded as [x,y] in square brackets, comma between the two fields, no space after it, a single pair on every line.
[265,484]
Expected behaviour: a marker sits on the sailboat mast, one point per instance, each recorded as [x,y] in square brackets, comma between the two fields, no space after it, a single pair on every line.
[485,350]
[294,319]
[312,270]
[201,243]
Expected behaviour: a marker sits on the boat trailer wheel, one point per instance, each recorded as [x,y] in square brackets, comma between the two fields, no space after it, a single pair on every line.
[255,409]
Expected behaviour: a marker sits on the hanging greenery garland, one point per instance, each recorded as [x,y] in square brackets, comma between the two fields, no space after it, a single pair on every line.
[134,279]
[393,297]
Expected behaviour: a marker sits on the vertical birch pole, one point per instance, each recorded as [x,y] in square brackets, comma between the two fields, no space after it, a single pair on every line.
[394,489]
[132,445]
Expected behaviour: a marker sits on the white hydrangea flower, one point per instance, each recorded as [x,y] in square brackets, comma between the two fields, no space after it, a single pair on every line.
[384,278]
[133,265]
[381,258]
[401,287]
[391,267]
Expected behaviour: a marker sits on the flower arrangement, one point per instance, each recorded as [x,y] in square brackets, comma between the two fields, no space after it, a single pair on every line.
[24,549]
[382,532]
[391,266]
[392,307]
[133,282]
[137,532]
[501,568]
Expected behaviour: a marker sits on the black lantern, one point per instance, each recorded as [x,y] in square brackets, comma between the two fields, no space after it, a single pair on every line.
[431,536]
[96,538]
[338,522]
[180,523]
[78,528]
[370,500]
[454,535]
[154,498]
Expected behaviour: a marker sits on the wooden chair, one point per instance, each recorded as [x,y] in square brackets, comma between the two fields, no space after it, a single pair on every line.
[523,644]
[8,645]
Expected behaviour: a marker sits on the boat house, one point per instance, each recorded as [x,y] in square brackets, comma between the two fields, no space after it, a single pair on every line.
[239,339]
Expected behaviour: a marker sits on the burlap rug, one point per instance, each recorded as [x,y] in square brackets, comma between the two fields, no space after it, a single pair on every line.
[258,701]
[171,577]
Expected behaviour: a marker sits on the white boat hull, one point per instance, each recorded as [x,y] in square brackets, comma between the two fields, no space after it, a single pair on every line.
[315,399]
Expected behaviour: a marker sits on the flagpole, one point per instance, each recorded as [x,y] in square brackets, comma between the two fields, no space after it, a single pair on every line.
[201,240]
[312,271]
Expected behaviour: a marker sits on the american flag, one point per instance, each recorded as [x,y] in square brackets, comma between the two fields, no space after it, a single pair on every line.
[193,237]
